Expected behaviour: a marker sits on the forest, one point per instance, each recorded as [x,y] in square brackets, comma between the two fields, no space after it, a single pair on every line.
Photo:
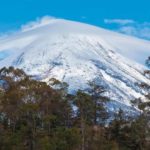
[36,116]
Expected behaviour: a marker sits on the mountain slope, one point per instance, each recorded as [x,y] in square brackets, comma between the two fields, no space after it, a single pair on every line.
[78,53]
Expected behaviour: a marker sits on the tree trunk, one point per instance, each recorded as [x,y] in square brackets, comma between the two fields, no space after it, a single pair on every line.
[83,133]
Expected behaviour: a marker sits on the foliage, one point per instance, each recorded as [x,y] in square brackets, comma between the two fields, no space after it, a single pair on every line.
[34,116]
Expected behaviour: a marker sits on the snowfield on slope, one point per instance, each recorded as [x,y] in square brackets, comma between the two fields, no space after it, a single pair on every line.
[77,53]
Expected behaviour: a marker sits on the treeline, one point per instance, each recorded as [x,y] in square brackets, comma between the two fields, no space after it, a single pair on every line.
[34,116]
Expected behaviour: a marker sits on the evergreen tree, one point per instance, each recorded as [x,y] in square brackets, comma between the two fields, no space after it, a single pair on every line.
[97,93]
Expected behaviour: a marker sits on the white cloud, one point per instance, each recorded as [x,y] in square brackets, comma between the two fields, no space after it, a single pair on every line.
[38,23]
[138,31]
[131,27]
[128,30]
[119,21]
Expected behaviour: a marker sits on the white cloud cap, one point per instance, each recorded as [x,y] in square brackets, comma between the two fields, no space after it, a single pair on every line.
[38,23]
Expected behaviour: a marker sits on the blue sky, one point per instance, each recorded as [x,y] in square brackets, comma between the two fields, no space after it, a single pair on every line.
[126,16]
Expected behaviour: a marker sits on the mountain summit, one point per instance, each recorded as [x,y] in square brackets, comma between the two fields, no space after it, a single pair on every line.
[77,53]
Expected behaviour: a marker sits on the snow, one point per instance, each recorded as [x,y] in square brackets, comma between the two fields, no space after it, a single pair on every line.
[78,53]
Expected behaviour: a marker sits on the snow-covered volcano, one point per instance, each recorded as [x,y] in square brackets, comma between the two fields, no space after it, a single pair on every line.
[78,53]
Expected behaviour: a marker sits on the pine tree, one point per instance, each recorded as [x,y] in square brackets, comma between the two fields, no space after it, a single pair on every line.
[97,93]
[85,106]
